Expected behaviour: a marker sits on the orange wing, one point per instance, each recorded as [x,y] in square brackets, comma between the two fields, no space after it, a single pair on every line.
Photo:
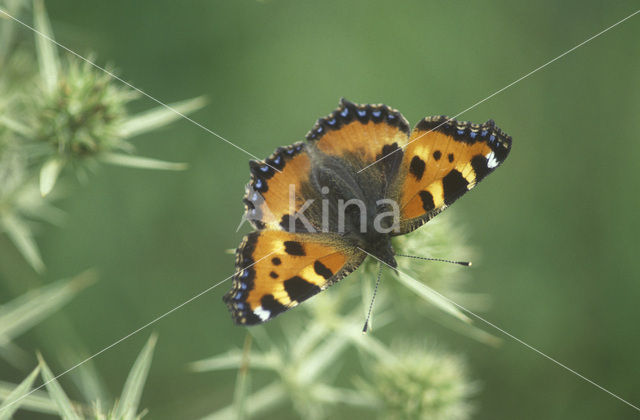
[444,160]
[266,197]
[276,270]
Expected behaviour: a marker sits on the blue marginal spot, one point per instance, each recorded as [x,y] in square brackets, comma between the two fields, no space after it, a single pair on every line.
[344,112]
[243,286]
[492,138]
[258,183]
[332,121]
[240,305]
[391,117]
[460,132]
[376,113]
[319,130]
[254,196]
[362,112]
[238,296]
[290,151]
[298,148]
[484,133]
[473,134]
[277,160]
[245,274]
[264,168]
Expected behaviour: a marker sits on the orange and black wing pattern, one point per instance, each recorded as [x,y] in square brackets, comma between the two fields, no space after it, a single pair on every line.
[360,134]
[443,160]
[276,270]
[281,178]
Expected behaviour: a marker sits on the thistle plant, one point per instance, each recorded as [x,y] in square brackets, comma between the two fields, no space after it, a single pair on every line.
[305,351]
[61,115]
[57,402]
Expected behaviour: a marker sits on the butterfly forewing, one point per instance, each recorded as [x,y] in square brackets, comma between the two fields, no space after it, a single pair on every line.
[445,159]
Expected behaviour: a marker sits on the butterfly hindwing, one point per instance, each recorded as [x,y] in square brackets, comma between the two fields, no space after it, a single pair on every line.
[276,270]
[443,160]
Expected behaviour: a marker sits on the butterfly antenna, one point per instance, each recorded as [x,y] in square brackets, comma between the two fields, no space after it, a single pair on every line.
[375,290]
[465,263]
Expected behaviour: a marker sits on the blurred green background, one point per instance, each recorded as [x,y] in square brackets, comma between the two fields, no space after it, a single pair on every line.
[556,227]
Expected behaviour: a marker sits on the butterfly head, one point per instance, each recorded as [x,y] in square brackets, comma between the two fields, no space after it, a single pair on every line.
[379,246]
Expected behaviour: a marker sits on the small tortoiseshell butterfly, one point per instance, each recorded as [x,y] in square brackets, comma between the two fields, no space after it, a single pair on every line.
[317,211]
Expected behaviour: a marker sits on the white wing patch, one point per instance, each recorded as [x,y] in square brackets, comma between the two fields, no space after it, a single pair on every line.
[492,162]
[263,314]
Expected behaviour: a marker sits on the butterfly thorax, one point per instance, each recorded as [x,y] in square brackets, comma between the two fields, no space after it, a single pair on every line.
[355,207]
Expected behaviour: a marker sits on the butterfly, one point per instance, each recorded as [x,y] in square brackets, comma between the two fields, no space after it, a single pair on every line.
[362,176]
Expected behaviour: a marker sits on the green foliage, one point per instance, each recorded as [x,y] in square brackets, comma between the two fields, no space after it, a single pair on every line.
[28,310]
[10,402]
[62,113]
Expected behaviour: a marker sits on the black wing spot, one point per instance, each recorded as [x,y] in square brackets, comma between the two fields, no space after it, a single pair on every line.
[299,289]
[437,155]
[269,303]
[276,261]
[273,275]
[479,165]
[417,167]
[450,157]
[453,186]
[294,248]
[322,270]
[427,201]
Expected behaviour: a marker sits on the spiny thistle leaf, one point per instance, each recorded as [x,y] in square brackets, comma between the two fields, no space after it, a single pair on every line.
[37,401]
[31,308]
[65,408]
[263,400]
[15,126]
[49,175]
[242,381]
[11,403]
[132,391]
[233,360]
[47,55]
[20,235]
[159,117]
[141,162]
[431,296]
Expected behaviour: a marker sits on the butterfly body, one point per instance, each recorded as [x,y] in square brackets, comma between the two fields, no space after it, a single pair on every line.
[361,178]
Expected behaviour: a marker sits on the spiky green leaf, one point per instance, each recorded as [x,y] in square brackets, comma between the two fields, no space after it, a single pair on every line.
[263,400]
[20,234]
[24,312]
[233,360]
[17,396]
[140,162]
[49,175]
[65,408]
[132,391]
[432,296]
[37,400]
[159,117]
[47,54]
